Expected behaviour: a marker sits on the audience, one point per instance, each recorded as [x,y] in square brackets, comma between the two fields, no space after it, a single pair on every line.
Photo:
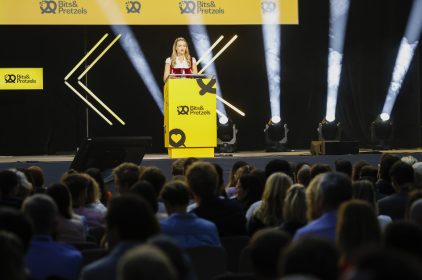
[130,222]
[227,214]
[12,256]
[310,256]
[146,262]
[14,221]
[294,209]
[394,205]
[364,190]
[357,227]
[265,248]
[249,190]
[384,184]
[344,166]
[125,175]
[70,227]
[335,188]
[63,260]
[270,211]
[194,209]
[9,189]
[186,228]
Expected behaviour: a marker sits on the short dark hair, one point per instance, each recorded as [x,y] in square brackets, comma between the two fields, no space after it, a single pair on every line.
[319,168]
[404,236]
[278,165]
[61,195]
[16,222]
[42,212]
[132,217]
[188,162]
[335,189]
[387,160]
[175,193]
[202,179]
[127,174]
[12,257]
[146,190]
[155,176]
[77,184]
[344,166]
[401,173]
[310,256]
[177,167]
[8,182]
[265,248]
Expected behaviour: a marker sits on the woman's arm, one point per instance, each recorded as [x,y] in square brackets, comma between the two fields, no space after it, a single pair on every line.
[194,67]
[166,72]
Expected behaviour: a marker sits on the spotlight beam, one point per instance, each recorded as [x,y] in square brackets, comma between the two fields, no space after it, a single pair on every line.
[100,56]
[218,54]
[231,106]
[339,12]
[86,56]
[405,55]
[88,103]
[210,49]
[101,103]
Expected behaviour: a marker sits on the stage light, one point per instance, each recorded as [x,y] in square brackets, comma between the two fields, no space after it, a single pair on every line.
[329,130]
[339,11]
[381,132]
[226,136]
[385,116]
[272,37]
[404,57]
[276,135]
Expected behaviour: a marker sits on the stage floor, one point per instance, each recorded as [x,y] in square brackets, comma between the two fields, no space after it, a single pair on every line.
[55,165]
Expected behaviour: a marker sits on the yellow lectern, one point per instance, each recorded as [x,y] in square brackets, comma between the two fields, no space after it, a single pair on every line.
[190,124]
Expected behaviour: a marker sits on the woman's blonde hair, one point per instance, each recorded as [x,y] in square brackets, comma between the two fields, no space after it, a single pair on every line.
[295,204]
[174,52]
[270,213]
[312,198]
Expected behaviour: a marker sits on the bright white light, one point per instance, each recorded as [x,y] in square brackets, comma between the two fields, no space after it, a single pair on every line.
[406,51]
[137,57]
[275,119]
[339,10]
[201,42]
[133,50]
[223,120]
[385,117]
[403,61]
[330,118]
[271,34]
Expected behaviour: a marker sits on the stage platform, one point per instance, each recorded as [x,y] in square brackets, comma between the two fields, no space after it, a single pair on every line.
[55,165]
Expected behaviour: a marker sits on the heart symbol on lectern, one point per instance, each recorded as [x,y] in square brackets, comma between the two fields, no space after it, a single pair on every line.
[177,138]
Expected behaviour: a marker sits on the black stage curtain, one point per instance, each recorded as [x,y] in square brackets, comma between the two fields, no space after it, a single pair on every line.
[56,121]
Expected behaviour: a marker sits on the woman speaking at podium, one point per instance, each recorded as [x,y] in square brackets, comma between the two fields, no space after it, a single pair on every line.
[180,62]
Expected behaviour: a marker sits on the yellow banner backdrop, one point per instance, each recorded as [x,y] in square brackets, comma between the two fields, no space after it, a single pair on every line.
[146,12]
[21,78]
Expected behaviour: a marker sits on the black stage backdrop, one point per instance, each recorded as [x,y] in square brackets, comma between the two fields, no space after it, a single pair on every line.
[55,120]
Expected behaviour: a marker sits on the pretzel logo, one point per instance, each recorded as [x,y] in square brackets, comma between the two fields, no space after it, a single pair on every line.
[133,7]
[48,7]
[187,7]
[10,78]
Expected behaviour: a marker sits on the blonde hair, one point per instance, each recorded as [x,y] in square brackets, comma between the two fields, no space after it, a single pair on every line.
[270,213]
[295,204]
[174,52]
[313,197]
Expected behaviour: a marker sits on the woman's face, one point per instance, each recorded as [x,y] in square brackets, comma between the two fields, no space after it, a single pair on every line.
[181,47]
